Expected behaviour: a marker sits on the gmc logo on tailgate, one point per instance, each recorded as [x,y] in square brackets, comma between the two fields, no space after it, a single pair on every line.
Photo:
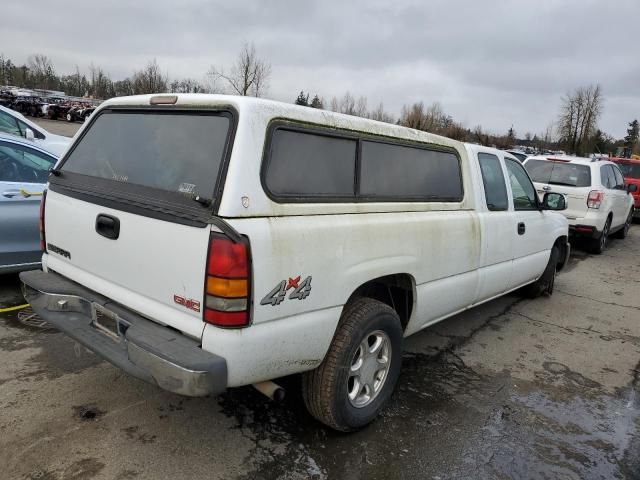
[187,302]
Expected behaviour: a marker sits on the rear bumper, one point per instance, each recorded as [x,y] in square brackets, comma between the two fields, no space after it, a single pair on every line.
[144,349]
[584,231]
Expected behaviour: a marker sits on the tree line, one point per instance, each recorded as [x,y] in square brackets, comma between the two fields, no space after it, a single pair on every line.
[575,130]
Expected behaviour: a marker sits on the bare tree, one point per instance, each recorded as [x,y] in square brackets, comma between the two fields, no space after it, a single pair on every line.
[380,115]
[150,79]
[187,85]
[249,76]
[431,119]
[579,117]
[100,85]
[42,70]
[361,107]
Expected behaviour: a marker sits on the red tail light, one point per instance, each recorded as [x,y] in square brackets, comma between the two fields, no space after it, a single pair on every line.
[43,240]
[595,198]
[227,288]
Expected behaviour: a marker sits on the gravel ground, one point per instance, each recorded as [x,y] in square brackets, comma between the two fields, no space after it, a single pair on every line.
[546,388]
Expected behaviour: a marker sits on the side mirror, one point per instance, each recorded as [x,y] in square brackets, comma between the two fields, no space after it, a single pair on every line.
[632,187]
[29,135]
[554,201]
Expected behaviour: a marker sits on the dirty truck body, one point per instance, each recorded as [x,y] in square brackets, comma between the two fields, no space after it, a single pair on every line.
[202,242]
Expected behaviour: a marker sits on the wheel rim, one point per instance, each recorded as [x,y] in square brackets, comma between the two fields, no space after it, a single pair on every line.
[369,369]
[605,236]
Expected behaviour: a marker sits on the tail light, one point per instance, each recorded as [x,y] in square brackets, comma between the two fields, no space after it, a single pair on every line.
[227,284]
[43,240]
[594,200]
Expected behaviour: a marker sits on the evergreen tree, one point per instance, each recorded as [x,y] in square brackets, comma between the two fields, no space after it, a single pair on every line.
[511,136]
[631,139]
[316,102]
[302,99]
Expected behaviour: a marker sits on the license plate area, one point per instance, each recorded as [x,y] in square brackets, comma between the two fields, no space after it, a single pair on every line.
[108,322]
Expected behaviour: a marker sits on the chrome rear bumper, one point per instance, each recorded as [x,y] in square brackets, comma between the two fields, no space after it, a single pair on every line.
[144,349]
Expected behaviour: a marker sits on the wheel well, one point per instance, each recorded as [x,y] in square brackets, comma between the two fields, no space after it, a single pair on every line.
[395,290]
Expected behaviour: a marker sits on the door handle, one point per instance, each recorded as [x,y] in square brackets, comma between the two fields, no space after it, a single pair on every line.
[521,228]
[11,193]
[108,226]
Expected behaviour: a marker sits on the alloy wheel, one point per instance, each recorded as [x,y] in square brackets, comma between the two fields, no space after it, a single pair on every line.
[369,368]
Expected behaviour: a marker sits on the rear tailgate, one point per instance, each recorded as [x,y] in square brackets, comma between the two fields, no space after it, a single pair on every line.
[144,268]
[121,216]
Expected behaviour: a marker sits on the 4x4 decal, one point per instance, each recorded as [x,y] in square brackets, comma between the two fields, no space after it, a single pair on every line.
[301,290]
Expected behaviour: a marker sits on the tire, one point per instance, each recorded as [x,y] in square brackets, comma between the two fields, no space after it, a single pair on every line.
[69,117]
[544,285]
[624,231]
[599,245]
[326,390]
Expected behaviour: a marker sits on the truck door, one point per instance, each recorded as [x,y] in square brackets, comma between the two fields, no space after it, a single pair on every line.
[497,236]
[531,245]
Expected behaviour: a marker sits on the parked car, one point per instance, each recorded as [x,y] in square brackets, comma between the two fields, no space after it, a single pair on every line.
[79,113]
[15,123]
[24,169]
[519,154]
[204,242]
[630,168]
[58,110]
[599,203]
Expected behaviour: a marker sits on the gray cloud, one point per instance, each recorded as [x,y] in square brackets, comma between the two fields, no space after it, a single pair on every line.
[493,62]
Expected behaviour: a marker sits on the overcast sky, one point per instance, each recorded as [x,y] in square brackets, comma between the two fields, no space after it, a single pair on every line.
[488,62]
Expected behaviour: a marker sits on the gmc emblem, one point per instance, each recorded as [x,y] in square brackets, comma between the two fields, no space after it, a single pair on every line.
[187,302]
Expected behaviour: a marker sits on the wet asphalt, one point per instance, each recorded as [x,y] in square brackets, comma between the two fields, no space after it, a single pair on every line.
[546,388]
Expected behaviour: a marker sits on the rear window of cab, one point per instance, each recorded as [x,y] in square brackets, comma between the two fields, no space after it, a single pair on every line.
[179,152]
[313,165]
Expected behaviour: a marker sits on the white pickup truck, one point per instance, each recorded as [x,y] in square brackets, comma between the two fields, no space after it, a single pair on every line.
[202,242]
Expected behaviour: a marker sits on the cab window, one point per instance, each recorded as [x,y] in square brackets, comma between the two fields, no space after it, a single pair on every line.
[495,189]
[523,192]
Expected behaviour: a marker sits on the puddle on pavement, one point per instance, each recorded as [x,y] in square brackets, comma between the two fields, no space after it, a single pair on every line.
[447,421]
[56,354]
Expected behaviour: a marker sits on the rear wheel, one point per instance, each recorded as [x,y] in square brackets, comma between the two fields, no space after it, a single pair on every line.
[624,231]
[599,245]
[359,373]
[69,117]
[544,285]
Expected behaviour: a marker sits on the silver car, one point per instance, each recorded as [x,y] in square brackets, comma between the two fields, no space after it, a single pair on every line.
[24,169]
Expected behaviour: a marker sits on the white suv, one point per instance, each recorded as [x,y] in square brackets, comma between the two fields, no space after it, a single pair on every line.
[598,202]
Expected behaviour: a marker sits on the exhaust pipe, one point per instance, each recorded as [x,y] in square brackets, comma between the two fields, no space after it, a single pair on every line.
[270,389]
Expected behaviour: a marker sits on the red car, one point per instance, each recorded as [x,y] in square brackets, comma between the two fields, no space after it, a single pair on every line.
[631,170]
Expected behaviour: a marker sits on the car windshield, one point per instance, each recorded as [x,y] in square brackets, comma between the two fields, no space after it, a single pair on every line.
[630,170]
[559,173]
[180,152]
